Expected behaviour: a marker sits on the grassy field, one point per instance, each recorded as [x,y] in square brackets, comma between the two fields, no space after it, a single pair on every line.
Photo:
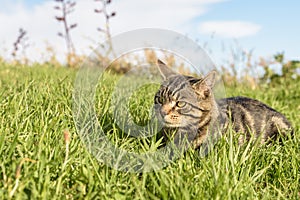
[42,156]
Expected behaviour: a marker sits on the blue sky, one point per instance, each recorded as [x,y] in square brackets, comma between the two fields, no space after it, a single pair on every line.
[267,27]
[279,20]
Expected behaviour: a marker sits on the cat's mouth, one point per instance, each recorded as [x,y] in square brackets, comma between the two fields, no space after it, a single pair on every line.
[170,123]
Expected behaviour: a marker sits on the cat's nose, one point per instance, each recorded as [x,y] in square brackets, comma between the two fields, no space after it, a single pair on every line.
[165,110]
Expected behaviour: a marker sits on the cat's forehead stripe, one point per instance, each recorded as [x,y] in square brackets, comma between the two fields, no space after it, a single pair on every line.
[181,86]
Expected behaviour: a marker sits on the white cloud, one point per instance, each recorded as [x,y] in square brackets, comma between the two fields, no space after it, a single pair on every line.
[41,26]
[156,13]
[229,29]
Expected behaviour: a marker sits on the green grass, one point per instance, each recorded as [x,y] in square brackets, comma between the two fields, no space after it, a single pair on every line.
[36,111]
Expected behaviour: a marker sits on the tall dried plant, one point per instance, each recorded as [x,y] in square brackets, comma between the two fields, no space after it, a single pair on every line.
[107,16]
[66,8]
[20,46]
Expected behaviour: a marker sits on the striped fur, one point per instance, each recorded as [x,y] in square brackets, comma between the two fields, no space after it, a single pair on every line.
[186,105]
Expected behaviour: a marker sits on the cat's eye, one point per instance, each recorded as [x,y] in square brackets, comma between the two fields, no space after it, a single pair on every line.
[180,104]
[160,100]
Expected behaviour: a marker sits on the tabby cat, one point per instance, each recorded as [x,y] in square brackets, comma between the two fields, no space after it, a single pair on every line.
[186,106]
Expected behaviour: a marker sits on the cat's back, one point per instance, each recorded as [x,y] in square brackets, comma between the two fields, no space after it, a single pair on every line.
[241,102]
[250,115]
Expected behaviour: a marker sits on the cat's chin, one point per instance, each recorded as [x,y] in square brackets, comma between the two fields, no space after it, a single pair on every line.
[172,125]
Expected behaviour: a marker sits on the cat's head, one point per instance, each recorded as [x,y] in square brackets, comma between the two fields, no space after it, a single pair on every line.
[183,101]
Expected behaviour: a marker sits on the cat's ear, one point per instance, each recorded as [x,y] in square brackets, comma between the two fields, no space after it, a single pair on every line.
[210,79]
[205,85]
[164,70]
